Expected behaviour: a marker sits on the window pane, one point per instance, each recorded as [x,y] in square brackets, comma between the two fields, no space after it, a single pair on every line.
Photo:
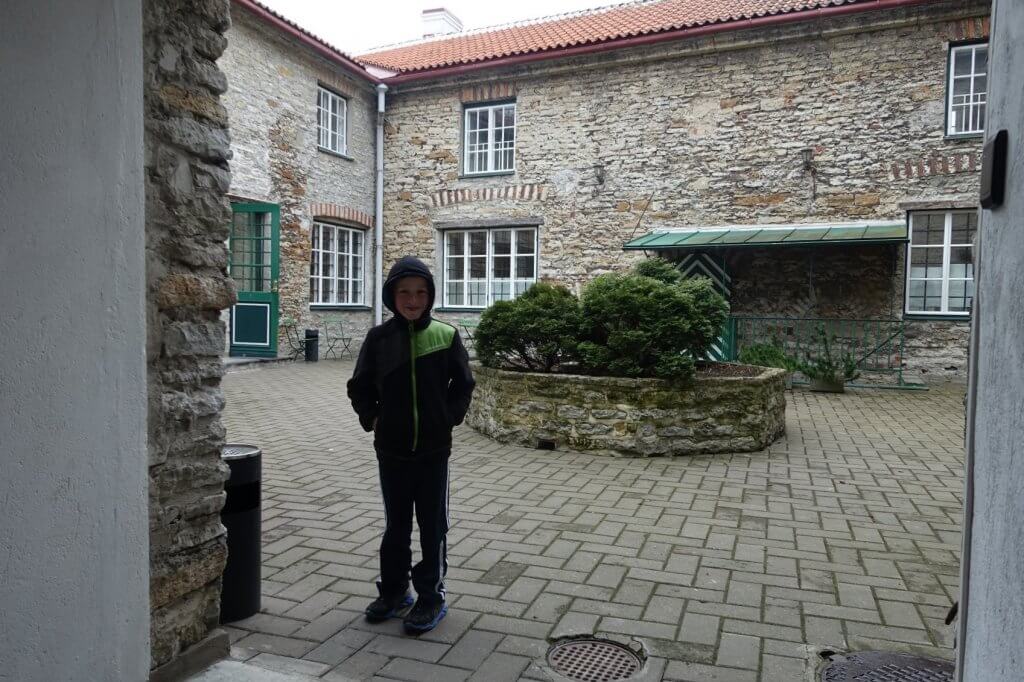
[961,296]
[962,61]
[478,243]
[455,245]
[524,266]
[477,268]
[501,267]
[524,241]
[928,228]
[357,266]
[327,295]
[477,293]
[981,59]
[501,240]
[925,262]
[455,293]
[964,225]
[501,290]
[455,268]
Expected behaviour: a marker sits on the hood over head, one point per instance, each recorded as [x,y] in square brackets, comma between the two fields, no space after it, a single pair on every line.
[407,266]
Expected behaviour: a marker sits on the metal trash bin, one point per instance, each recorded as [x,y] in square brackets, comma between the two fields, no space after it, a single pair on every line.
[312,345]
[240,591]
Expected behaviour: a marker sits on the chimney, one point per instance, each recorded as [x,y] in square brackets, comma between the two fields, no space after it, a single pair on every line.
[440,22]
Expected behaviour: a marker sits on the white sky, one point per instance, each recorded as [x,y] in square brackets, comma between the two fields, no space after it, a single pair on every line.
[356,26]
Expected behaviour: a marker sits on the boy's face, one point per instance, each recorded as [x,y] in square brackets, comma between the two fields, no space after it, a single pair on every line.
[411,297]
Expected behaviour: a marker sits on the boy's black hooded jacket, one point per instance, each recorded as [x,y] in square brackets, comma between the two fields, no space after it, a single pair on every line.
[412,377]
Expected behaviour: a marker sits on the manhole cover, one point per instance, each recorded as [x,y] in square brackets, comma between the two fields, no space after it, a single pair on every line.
[883,666]
[593,660]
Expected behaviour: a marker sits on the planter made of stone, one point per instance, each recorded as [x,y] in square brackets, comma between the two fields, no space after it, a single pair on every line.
[629,417]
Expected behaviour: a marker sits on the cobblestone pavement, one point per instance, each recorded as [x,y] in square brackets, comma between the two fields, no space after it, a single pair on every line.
[733,568]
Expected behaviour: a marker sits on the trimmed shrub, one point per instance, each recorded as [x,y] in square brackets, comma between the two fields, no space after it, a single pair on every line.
[537,331]
[659,269]
[766,355]
[637,326]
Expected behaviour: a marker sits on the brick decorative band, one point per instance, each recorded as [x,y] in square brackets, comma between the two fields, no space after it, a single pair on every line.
[531,192]
[488,92]
[974,28]
[969,162]
[345,213]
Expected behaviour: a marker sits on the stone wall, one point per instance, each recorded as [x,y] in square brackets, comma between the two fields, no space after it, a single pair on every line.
[271,103]
[187,218]
[631,417]
[704,131]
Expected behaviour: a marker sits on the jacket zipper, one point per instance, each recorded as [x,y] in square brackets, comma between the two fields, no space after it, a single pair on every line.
[415,403]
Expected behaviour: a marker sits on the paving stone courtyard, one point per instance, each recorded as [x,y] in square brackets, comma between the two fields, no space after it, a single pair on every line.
[733,568]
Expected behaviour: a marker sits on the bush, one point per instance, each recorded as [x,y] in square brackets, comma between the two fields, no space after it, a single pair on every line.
[836,368]
[766,355]
[659,269]
[638,326]
[537,331]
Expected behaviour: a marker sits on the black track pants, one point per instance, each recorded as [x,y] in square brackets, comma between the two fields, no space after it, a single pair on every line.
[422,486]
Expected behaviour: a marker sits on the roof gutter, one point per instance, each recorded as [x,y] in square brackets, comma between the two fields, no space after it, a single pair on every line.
[650,39]
[323,50]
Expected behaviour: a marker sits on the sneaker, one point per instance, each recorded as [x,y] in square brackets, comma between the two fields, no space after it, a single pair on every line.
[384,607]
[424,616]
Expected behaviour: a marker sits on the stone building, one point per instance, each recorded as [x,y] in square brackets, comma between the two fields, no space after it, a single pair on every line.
[851,131]
[303,118]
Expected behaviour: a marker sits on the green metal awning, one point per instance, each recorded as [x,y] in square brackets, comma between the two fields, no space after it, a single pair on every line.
[732,236]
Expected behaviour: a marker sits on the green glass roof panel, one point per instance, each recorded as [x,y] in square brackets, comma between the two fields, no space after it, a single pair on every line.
[886,231]
[769,236]
[705,237]
[844,233]
[738,236]
[806,234]
[670,239]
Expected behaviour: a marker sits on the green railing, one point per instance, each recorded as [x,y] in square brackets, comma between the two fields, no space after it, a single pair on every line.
[877,345]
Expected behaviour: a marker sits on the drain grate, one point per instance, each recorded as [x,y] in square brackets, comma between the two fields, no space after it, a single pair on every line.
[883,666]
[593,660]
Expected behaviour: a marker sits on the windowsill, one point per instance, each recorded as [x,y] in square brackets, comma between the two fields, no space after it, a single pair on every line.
[331,152]
[339,306]
[493,174]
[963,136]
[936,317]
[460,310]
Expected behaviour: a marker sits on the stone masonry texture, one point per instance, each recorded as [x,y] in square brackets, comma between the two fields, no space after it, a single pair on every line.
[187,214]
[629,417]
[844,534]
[271,102]
[709,131]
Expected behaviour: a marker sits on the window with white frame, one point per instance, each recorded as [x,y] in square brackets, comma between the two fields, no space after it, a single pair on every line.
[484,266]
[967,90]
[490,142]
[336,265]
[940,272]
[331,111]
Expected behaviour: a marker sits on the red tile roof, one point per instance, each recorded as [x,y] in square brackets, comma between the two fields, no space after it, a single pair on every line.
[644,17]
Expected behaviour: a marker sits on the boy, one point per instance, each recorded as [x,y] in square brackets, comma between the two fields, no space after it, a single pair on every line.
[411,385]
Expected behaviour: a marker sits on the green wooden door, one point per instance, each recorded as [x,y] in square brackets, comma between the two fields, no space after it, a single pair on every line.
[254,261]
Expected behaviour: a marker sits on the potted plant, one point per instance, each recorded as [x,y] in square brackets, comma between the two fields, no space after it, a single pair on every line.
[769,354]
[828,371]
